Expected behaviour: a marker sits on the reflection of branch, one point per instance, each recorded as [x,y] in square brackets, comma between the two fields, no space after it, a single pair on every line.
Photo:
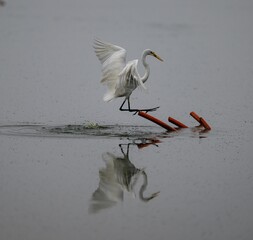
[141,143]
[148,142]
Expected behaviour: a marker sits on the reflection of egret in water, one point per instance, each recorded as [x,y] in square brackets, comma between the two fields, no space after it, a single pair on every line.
[119,175]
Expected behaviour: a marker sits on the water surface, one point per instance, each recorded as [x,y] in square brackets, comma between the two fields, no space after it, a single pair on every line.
[67,185]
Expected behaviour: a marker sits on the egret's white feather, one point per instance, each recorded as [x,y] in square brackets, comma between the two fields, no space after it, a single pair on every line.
[113,59]
[129,76]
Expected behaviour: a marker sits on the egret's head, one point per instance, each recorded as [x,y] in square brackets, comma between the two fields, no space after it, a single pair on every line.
[152,53]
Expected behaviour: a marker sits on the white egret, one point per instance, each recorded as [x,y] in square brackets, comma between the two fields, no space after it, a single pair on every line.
[120,77]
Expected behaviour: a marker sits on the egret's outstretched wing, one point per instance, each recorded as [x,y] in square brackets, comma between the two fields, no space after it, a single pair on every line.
[113,59]
[130,78]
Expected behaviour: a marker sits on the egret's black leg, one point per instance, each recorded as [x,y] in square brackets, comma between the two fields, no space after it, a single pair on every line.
[128,145]
[129,109]
[124,109]
[121,149]
[128,102]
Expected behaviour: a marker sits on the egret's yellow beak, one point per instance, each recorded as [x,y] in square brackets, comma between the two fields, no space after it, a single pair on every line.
[156,56]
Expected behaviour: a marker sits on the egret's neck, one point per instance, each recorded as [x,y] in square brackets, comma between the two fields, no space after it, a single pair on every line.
[143,187]
[146,66]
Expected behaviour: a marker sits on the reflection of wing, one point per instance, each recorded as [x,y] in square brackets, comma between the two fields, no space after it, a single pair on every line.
[109,191]
[113,59]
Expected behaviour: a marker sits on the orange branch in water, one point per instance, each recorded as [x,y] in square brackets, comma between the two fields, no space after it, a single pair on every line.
[195,116]
[176,122]
[155,120]
[201,120]
[205,124]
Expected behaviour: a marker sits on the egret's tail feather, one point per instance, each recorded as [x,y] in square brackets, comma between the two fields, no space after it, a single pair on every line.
[108,96]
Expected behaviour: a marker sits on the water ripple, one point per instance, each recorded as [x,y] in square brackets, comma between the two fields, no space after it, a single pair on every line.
[91,130]
[81,130]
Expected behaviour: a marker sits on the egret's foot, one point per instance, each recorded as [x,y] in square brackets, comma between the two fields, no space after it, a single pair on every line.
[139,110]
[144,110]
[150,109]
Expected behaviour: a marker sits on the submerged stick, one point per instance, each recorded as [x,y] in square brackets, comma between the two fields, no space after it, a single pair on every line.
[176,122]
[155,120]
[205,124]
[201,120]
[195,116]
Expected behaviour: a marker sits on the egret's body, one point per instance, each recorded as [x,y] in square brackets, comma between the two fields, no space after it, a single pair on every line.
[120,77]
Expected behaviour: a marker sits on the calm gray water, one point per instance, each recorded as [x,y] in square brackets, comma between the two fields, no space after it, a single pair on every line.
[74,167]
